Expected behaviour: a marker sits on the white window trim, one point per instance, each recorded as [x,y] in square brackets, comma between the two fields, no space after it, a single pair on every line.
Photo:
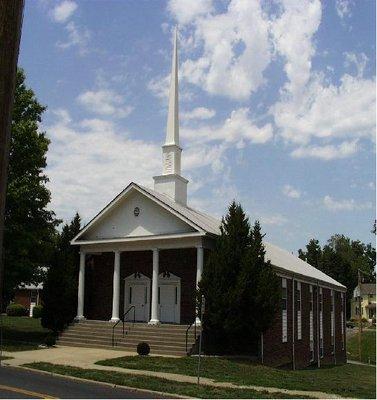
[299,325]
[284,317]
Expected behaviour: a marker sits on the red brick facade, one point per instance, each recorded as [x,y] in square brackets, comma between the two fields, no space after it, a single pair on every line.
[296,351]
[182,262]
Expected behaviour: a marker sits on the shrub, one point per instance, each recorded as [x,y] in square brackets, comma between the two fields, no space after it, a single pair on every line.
[37,312]
[50,339]
[16,310]
[143,349]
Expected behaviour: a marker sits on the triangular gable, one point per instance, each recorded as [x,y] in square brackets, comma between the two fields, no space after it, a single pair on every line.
[118,219]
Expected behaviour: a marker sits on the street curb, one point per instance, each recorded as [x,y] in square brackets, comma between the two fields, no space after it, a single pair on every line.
[74,378]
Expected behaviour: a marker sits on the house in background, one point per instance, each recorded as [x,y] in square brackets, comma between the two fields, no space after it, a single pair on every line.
[367,291]
[28,296]
[142,258]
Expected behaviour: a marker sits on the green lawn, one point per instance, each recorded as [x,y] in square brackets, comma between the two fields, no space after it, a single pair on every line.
[345,380]
[368,347]
[157,384]
[22,333]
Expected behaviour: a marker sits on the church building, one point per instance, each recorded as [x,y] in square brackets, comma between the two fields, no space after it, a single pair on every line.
[142,256]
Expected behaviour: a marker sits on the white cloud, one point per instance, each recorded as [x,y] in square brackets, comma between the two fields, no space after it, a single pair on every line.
[343,8]
[186,11]
[327,152]
[238,128]
[63,11]
[274,219]
[292,35]
[359,60]
[291,192]
[344,205]
[90,161]
[234,50]
[77,37]
[198,113]
[104,102]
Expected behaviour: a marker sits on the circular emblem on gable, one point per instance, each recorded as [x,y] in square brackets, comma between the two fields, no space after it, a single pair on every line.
[136,211]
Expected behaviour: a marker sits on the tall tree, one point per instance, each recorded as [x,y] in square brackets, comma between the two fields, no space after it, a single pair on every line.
[60,290]
[256,297]
[29,224]
[240,288]
[341,258]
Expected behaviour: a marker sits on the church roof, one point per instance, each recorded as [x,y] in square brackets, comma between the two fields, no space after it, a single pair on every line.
[280,258]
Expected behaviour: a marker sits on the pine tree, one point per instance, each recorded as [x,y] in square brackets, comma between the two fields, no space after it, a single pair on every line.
[256,296]
[240,288]
[221,272]
[60,290]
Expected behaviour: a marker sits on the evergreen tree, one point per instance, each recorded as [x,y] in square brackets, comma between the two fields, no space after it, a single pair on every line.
[313,253]
[29,225]
[240,289]
[60,291]
[221,272]
[256,296]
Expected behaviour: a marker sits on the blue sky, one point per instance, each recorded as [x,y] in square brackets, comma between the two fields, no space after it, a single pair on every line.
[277,104]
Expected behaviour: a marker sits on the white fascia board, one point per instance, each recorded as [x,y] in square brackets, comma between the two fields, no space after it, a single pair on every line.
[119,197]
[306,279]
[140,238]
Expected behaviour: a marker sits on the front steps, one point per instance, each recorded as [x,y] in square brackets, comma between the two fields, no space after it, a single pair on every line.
[164,339]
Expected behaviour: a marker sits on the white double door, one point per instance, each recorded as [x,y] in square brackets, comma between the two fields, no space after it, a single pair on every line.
[137,295]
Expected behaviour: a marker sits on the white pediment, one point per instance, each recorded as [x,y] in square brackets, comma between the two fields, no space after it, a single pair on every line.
[135,215]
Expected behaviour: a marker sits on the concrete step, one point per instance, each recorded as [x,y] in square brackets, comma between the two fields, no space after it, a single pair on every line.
[131,330]
[140,324]
[129,339]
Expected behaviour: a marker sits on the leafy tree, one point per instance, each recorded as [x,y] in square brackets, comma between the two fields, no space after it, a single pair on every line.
[29,225]
[239,286]
[341,258]
[60,290]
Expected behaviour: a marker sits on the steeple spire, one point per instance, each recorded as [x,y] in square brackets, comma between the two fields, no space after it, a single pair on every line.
[172,128]
[171,182]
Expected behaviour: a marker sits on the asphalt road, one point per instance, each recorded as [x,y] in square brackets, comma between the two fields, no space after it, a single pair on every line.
[16,383]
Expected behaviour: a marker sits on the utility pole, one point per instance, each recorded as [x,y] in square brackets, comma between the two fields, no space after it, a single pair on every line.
[11,12]
[359,306]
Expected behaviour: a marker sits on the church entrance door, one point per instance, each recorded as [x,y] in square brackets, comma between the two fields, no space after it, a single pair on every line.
[136,293]
[169,298]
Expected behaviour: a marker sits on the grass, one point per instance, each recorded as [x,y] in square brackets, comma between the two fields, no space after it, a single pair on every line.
[157,384]
[22,333]
[368,347]
[345,380]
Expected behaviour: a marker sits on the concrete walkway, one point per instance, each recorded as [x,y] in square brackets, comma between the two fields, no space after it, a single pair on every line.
[86,357]
[361,363]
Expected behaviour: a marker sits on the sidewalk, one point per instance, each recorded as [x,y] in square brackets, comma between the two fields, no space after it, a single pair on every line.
[86,357]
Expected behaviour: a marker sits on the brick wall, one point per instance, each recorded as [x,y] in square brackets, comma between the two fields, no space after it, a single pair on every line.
[99,279]
[22,296]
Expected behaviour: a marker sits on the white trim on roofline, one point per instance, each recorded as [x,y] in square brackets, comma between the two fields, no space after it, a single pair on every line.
[308,280]
[119,197]
[140,238]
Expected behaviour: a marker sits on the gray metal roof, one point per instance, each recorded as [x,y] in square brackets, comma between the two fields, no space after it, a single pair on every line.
[279,258]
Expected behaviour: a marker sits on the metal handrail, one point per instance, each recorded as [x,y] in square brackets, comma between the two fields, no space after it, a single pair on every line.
[187,332]
[123,321]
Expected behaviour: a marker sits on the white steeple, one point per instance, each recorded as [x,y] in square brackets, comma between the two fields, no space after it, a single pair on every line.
[171,182]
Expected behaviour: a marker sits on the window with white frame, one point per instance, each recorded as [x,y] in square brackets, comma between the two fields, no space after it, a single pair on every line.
[332,321]
[284,303]
[320,322]
[298,308]
[342,317]
[311,327]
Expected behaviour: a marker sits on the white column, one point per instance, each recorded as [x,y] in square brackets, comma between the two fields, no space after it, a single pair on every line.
[154,307]
[199,271]
[116,287]
[81,288]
